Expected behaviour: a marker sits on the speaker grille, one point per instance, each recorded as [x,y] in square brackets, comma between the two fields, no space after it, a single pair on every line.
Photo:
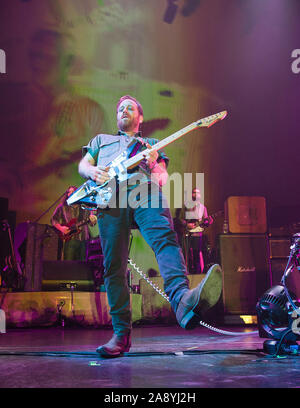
[246,271]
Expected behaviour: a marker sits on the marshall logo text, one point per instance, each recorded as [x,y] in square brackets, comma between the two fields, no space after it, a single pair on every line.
[246,269]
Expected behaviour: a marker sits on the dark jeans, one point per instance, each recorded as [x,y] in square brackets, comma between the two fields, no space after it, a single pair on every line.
[74,250]
[195,246]
[156,226]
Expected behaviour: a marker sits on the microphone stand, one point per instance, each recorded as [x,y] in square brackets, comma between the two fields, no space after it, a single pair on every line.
[48,209]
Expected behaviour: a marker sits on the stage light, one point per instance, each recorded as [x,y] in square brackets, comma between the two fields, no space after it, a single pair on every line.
[249,319]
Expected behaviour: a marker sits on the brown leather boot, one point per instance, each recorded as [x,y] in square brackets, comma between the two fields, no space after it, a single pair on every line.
[196,301]
[116,346]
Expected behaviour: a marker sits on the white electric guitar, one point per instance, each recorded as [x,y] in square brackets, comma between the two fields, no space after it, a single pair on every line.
[91,195]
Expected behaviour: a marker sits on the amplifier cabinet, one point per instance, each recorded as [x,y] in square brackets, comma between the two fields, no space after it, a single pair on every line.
[246,271]
[246,215]
[279,247]
[41,244]
[292,280]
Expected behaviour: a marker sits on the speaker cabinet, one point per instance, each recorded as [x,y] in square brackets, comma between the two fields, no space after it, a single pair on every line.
[246,271]
[40,244]
[292,280]
[246,215]
[279,247]
[3,207]
[277,269]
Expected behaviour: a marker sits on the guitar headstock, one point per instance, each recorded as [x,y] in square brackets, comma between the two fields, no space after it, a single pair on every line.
[212,119]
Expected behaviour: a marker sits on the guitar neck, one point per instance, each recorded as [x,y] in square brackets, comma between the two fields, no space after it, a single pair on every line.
[205,122]
[160,145]
[213,216]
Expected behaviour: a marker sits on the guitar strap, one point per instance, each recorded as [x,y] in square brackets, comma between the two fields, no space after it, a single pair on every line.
[135,149]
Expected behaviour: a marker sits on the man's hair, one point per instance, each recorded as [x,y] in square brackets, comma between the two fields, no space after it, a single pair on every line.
[123,98]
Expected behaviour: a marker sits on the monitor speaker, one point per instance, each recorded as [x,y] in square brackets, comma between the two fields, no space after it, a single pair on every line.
[246,271]
[67,275]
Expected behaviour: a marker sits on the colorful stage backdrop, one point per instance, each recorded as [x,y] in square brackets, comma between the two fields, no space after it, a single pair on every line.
[68,61]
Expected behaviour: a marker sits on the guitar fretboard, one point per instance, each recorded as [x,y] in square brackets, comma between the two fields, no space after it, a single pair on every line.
[205,122]
[160,145]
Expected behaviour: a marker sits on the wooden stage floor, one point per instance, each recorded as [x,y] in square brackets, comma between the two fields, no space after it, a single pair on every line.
[161,357]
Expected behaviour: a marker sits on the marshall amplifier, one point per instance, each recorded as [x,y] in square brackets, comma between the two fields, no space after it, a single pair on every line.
[280,248]
[35,243]
[246,272]
[246,214]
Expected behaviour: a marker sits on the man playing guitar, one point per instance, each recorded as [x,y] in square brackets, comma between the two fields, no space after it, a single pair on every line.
[195,224]
[71,224]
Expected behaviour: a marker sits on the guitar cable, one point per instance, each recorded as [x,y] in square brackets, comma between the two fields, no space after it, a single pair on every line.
[164,295]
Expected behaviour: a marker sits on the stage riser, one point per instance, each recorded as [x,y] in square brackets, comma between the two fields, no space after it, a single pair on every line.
[27,309]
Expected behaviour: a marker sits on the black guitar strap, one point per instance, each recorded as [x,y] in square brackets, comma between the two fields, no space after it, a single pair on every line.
[135,148]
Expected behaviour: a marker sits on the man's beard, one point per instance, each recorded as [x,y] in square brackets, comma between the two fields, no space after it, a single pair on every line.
[127,126]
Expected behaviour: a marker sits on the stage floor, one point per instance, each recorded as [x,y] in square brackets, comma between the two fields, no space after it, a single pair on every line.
[165,357]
